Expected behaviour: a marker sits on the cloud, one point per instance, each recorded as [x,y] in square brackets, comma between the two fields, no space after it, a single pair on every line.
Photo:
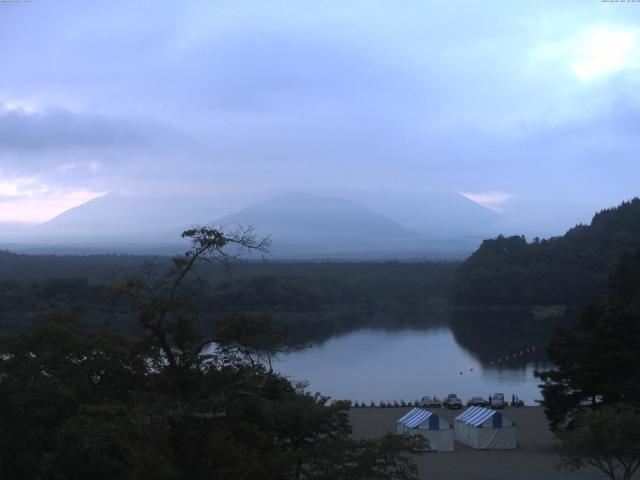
[66,167]
[283,96]
[607,50]
[57,128]
[15,187]
[492,200]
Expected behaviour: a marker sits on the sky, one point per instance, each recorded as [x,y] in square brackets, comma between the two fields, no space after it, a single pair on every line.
[530,108]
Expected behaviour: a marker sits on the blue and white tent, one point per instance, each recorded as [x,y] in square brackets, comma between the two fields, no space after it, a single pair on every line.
[483,428]
[437,431]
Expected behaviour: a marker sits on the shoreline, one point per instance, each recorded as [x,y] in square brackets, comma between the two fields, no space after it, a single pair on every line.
[535,457]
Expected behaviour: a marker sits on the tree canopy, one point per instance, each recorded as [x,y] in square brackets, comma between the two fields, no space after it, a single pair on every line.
[596,361]
[607,439]
[178,402]
[571,269]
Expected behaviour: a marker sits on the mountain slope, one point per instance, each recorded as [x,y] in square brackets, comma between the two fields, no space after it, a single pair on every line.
[12,231]
[433,212]
[301,223]
[571,269]
[113,218]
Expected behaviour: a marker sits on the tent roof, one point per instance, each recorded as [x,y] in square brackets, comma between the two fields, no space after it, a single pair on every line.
[415,417]
[475,416]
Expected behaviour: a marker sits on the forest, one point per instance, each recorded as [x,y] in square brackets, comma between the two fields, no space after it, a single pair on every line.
[157,367]
[571,269]
[319,298]
[177,401]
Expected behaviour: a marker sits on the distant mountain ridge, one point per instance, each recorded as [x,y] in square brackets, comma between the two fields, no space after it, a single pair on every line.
[156,219]
[570,269]
[11,231]
[434,212]
[319,225]
[302,226]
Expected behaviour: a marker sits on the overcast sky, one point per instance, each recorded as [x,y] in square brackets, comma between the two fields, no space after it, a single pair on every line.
[531,108]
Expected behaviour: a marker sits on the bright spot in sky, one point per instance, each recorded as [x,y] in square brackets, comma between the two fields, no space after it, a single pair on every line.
[492,200]
[26,200]
[10,188]
[19,107]
[606,51]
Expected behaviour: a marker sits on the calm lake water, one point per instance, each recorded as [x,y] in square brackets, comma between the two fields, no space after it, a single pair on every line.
[466,357]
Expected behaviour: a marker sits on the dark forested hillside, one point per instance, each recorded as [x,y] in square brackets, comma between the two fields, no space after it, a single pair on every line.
[326,294]
[571,269]
[15,266]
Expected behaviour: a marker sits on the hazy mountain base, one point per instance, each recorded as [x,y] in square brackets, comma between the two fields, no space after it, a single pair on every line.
[431,249]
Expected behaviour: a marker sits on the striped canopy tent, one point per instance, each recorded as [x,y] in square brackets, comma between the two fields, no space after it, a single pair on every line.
[483,428]
[437,431]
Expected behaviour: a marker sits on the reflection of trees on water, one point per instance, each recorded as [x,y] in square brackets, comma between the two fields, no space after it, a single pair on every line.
[505,339]
[323,328]
[497,339]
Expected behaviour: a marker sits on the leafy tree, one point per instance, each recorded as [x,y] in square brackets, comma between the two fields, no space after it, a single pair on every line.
[570,269]
[172,405]
[48,375]
[597,359]
[368,459]
[160,308]
[607,439]
[256,335]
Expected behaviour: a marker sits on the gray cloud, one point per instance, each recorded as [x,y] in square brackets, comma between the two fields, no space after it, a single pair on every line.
[58,128]
[277,96]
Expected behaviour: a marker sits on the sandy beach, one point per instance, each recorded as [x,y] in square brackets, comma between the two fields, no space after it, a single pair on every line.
[534,459]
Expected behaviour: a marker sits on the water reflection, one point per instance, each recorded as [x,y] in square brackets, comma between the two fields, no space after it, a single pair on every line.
[504,339]
[456,352]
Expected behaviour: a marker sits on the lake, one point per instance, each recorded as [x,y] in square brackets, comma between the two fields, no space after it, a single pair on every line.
[467,356]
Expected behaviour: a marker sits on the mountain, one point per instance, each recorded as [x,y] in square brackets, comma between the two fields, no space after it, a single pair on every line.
[301,225]
[117,222]
[434,212]
[13,231]
[309,225]
[116,218]
[571,269]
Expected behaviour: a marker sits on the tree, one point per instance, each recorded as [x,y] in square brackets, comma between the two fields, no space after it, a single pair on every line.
[388,457]
[570,269]
[596,361]
[75,404]
[257,336]
[78,404]
[607,439]
[162,311]
[53,374]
